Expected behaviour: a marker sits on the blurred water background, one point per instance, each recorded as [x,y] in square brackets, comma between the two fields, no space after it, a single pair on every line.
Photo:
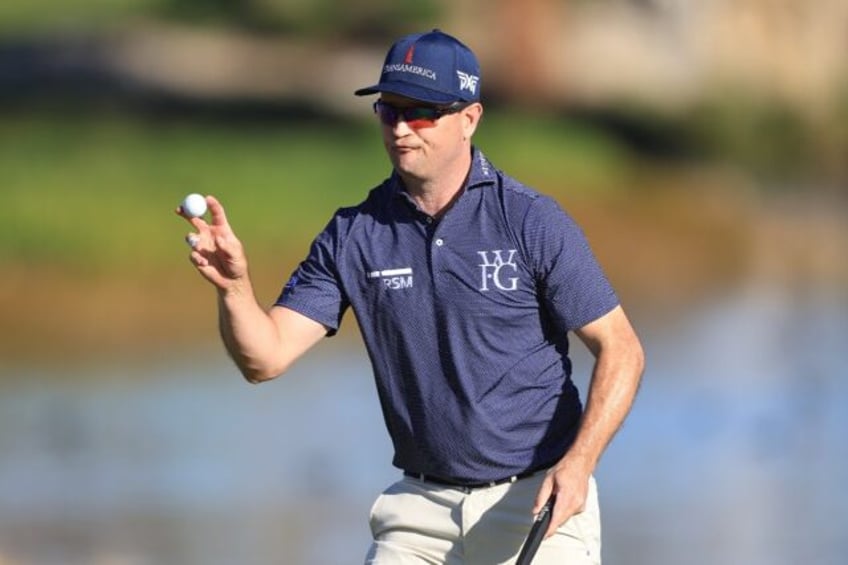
[702,145]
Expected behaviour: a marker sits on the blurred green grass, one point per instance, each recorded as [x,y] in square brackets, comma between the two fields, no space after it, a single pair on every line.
[90,191]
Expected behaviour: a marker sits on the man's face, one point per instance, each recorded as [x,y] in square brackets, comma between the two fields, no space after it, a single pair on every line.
[422,148]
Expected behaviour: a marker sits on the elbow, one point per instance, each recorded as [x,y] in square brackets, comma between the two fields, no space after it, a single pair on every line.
[259,375]
[256,378]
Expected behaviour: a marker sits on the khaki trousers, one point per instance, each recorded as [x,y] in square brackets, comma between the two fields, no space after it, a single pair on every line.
[416,522]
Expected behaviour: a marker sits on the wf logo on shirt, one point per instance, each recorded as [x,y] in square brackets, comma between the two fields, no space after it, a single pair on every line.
[492,266]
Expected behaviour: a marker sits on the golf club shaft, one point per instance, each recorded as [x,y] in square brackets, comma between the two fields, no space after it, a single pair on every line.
[537,533]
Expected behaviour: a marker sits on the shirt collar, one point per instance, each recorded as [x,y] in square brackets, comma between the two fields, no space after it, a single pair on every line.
[482,171]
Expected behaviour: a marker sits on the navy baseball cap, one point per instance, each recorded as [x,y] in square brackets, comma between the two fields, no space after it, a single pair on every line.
[431,67]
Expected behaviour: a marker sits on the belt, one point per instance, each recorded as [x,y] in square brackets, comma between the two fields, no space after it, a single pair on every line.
[469,485]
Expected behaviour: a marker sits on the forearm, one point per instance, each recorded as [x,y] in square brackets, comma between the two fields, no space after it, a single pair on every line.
[249,335]
[619,362]
[262,343]
[615,381]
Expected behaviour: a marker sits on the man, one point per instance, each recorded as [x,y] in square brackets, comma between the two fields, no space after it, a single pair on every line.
[465,284]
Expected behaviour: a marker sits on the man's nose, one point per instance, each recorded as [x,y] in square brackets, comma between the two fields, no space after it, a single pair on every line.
[401,127]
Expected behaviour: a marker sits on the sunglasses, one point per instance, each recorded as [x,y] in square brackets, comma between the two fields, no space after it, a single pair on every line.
[416,117]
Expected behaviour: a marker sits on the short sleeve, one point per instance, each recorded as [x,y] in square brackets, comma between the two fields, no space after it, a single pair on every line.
[571,282]
[314,288]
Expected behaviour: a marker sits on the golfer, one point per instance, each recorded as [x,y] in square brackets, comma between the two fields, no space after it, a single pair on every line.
[466,285]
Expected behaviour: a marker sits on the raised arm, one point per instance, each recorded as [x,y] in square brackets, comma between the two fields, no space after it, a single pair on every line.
[263,344]
[619,362]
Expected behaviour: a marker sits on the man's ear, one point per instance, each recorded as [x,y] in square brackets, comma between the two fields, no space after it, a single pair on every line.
[470,118]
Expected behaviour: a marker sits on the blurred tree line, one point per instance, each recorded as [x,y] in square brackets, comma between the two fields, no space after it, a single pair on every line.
[352,20]
[759,83]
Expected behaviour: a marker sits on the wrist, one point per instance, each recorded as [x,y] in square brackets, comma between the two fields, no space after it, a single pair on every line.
[236,289]
[579,458]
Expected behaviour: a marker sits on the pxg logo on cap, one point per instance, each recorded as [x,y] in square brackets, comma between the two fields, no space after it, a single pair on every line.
[430,67]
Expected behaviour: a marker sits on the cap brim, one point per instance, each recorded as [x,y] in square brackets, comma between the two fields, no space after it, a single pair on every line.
[368,90]
[410,91]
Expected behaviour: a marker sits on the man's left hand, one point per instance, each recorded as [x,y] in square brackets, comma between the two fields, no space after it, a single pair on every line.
[570,483]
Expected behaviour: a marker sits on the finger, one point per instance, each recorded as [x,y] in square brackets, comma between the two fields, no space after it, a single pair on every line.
[216,210]
[193,240]
[180,212]
[208,269]
[568,503]
[197,223]
[228,243]
[559,516]
[544,493]
[198,259]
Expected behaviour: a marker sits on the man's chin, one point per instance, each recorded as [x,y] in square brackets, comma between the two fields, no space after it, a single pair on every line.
[406,168]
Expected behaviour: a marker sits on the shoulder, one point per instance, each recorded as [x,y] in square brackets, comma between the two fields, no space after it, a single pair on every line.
[539,223]
[526,207]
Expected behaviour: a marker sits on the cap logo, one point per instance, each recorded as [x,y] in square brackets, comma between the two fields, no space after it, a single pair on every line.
[467,82]
[408,67]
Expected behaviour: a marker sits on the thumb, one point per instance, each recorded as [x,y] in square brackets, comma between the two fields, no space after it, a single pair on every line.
[216,211]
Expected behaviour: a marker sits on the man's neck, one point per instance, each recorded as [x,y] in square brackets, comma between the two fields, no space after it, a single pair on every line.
[435,196]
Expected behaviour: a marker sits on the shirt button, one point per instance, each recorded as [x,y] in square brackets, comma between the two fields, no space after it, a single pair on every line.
[439,242]
[429,220]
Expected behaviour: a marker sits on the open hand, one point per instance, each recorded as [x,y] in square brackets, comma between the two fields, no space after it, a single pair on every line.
[216,252]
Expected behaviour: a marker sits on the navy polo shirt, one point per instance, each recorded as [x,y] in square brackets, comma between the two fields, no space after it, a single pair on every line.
[465,320]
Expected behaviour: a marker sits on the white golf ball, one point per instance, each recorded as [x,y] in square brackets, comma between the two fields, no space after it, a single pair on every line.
[194,205]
